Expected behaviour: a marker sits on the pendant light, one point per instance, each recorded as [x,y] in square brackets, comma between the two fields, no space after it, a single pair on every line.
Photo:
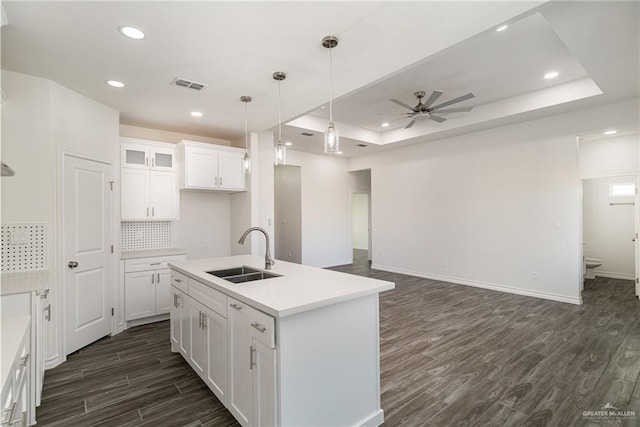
[280,149]
[246,161]
[331,136]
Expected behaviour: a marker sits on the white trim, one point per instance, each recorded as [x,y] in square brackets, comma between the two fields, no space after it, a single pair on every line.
[374,420]
[490,286]
[611,275]
[333,264]
[596,175]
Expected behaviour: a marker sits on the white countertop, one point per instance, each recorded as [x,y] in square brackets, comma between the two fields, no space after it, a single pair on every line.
[13,330]
[24,281]
[301,288]
[149,253]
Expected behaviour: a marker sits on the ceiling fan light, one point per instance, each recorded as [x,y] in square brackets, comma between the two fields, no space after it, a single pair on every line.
[331,139]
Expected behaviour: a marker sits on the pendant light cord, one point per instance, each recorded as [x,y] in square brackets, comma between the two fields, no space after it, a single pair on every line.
[330,86]
[279,117]
[246,127]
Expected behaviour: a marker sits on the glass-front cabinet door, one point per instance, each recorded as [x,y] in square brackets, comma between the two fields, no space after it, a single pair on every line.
[162,159]
[135,156]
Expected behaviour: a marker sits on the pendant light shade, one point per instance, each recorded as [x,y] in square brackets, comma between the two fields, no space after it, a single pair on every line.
[280,149]
[246,161]
[331,136]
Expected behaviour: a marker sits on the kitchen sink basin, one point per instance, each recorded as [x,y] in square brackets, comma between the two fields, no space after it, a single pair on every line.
[242,274]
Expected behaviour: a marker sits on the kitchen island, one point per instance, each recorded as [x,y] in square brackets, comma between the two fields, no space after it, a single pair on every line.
[301,348]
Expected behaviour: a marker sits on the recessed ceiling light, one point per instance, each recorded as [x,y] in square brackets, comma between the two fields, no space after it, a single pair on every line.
[132,32]
[551,75]
[115,83]
[196,114]
[288,144]
[384,125]
[322,107]
[502,28]
[610,132]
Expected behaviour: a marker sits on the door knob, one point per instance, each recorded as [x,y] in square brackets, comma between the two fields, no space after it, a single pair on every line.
[72,264]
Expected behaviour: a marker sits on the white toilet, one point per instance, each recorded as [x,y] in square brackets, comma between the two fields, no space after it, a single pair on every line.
[590,265]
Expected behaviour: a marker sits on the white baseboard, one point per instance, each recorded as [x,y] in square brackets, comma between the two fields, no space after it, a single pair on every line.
[146,320]
[490,286]
[373,421]
[334,264]
[611,275]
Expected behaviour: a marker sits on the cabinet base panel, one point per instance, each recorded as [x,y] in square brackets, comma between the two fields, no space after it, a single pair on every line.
[137,322]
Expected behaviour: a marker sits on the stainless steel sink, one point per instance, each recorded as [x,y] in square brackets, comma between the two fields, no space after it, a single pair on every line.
[242,274]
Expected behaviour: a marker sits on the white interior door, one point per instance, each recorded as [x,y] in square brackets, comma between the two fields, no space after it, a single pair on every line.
[86,240]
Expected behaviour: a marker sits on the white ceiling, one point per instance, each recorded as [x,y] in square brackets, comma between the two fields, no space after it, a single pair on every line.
[387,50]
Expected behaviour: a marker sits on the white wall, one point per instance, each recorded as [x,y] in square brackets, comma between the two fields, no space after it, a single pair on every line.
[608,230]
[610,155]
[204,230]
[39,120]
[360,221]
[166,136]
[326,204]
[242,214]
[498,209]
[288,213]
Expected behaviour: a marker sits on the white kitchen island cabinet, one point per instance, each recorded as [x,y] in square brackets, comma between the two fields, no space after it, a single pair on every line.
[302,348]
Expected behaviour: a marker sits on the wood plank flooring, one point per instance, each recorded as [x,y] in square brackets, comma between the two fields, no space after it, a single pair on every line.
[450,355]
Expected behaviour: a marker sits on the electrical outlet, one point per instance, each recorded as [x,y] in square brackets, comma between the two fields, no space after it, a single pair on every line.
[443,263]
[138,235]
[534,275]
[384,255]
[290,254]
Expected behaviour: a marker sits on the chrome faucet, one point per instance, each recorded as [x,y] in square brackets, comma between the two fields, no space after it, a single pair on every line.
[268,261]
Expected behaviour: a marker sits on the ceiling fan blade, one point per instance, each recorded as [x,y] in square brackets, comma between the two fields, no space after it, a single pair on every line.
[411,123]
[389,114]
[402,104]
[455,101]
[437,118]
[455,110]
[433,97]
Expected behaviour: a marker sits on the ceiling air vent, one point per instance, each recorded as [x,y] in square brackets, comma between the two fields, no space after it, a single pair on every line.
[189,84]
[362,145]
[306,134]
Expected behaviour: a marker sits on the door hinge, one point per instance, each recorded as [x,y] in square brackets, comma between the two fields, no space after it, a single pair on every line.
[112,311]
[111,184]
[111,248]
[637,281]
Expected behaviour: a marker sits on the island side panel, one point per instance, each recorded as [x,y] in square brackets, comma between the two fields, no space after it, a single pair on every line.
[329,365]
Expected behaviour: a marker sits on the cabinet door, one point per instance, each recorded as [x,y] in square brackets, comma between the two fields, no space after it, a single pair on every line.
[185,326]
[163,291]
[198,355]
[201,168]
[135,156]
[176,328]
[264,384]
[240,391]
[163,195]
[230,171]
[140,295]
[216,330]
[163,159]
[134,194]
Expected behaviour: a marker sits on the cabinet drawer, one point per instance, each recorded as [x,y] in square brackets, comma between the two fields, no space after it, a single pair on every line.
[156,263]
[262,327]
[180,281]
[216,301]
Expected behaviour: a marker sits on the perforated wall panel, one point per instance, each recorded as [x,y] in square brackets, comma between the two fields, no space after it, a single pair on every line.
[140,235]
[24,247]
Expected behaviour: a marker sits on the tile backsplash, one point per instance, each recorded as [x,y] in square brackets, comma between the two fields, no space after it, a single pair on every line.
[141,235]
[24,247]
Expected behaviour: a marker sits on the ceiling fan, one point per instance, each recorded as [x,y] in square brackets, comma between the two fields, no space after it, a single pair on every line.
[425,111]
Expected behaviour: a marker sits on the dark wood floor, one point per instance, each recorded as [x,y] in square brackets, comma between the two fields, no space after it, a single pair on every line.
[450,355]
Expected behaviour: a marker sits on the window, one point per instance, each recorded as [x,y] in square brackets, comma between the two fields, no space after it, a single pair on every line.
[622,189]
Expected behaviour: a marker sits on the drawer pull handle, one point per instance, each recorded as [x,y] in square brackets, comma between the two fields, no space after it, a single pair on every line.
[155,263]
[47,315]
[236,306]
[178,280]
[259,327]
[23,361]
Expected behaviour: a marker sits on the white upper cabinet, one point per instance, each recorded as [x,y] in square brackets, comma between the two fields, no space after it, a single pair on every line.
[139,154]
[211,167]
[149,181]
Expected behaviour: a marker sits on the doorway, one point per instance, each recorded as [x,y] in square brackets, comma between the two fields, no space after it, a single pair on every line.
[86,247]
[610,226]
[360,227]
[288,213]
